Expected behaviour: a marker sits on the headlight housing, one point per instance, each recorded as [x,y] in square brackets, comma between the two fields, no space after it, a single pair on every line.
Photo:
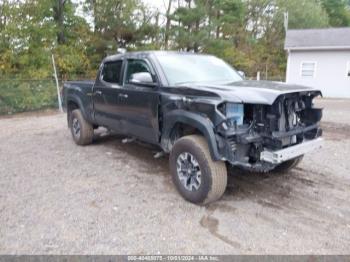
[234,113]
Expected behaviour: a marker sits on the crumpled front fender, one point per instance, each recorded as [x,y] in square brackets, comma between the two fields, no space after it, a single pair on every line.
[202,123]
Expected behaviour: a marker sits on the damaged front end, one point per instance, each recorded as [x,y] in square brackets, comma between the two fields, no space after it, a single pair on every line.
[258,137]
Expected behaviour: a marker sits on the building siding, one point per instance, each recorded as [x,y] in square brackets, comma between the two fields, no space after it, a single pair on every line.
[330,72]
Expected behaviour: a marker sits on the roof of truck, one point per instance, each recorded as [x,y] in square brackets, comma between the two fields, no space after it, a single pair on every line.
[146,53]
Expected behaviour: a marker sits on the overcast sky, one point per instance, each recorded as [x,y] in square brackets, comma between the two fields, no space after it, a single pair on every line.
[156,3]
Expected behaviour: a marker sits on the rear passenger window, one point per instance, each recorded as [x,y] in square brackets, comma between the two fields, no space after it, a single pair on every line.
[111,72]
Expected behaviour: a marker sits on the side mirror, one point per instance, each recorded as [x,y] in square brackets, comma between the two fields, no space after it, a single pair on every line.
[142,78]
[241,73]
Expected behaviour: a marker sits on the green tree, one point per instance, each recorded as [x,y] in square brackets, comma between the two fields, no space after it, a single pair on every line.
[33,31]
[228,19]
[302,14]
[266,34]
[190,29]
[121,23]
[338,12]
[114,20]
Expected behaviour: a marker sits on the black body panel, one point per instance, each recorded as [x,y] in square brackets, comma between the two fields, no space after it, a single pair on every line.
[276,115]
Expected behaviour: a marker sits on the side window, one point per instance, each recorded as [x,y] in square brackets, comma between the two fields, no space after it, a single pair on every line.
[111,72]
[308,69]
[136,66]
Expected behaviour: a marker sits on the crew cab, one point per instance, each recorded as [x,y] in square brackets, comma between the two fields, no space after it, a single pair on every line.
[201,112]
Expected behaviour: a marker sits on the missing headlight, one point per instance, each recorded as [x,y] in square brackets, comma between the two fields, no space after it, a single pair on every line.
[234,113]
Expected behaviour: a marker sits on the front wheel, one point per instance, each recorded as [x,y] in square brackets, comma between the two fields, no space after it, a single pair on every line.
[82,131]
[196,176]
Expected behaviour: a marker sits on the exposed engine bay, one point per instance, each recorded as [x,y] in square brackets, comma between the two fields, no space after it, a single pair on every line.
[251,129]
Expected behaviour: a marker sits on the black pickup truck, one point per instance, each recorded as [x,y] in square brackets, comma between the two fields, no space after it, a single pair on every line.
[201,111]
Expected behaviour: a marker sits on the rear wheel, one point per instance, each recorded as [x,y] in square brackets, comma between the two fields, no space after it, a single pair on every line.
[82,131]
[288,165]
[196,176]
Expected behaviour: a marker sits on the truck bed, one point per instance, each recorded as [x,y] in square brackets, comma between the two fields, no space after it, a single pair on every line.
[82,83]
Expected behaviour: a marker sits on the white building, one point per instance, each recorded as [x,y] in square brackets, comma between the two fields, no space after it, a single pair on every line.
[320,58]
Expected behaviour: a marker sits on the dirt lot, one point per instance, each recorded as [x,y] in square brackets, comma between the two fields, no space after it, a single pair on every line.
[56,197]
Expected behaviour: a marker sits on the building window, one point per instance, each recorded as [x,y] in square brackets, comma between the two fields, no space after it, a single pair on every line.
[348,69]
[308,69]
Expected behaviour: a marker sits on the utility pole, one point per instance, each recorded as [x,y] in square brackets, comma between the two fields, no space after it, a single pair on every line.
[57,85]
[286,21]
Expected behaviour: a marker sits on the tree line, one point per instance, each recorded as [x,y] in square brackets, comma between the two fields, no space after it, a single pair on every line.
[248,34]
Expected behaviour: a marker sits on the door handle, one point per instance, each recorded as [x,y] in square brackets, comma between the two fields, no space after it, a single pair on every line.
[123,95]
[98,92]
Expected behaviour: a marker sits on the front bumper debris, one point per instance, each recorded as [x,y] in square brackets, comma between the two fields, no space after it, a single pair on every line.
[279,156]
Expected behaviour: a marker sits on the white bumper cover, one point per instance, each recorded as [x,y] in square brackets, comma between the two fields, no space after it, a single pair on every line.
[279,156]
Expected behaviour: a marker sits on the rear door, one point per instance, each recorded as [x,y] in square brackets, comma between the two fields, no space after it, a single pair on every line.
[139,103]
[105,94]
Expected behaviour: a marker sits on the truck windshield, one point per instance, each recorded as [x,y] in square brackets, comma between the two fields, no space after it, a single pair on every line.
[191,68]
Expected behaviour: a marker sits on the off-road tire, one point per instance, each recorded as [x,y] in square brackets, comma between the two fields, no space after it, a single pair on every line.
[86,129]
[288,165]
[213,173]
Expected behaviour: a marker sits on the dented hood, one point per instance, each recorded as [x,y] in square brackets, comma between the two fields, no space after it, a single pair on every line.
[252,92]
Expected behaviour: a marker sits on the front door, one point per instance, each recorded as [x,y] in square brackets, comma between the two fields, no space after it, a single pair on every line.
[139,103]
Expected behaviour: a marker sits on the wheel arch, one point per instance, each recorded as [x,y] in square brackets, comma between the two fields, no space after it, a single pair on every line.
[73,103]
[200,124]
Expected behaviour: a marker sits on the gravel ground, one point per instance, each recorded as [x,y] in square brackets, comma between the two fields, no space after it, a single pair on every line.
[114,198]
